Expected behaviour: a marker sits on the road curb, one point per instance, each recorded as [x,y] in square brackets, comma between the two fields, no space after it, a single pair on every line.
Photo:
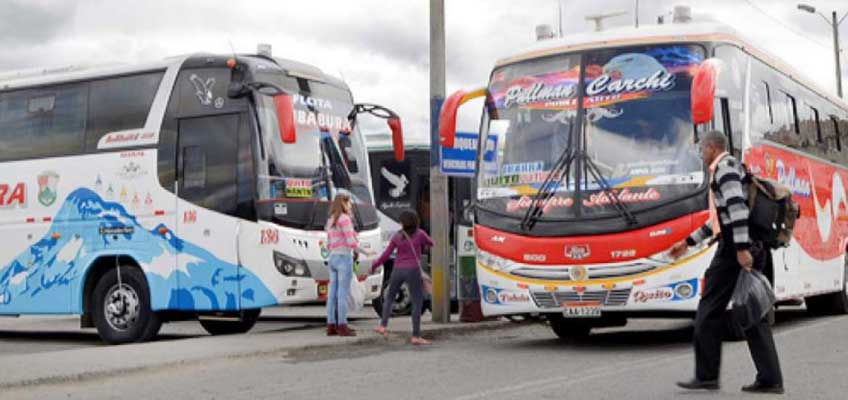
[105,362]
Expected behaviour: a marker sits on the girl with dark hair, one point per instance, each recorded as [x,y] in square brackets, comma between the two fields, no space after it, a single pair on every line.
[409,243]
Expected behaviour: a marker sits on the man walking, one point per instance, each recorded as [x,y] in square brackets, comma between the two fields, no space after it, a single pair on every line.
[728,221]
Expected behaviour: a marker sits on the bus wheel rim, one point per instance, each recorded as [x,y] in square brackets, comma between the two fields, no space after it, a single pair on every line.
[121,307]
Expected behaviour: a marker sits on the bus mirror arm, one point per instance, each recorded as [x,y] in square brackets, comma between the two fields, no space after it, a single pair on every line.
[448,113]
[392,119]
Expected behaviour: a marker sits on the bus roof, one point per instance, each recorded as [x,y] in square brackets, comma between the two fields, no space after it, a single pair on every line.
[666,33]
[49,76]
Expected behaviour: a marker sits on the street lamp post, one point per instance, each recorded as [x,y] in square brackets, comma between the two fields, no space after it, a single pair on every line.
[834,24]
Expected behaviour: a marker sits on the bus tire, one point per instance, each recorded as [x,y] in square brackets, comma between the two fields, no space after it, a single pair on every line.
[569,329]
[122,314]
[245,322]
[831,303]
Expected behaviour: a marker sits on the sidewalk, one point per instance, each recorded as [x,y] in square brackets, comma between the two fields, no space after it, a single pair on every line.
[95,362]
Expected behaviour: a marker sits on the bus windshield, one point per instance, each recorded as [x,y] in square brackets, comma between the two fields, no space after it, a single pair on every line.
[637,132]
[297,180]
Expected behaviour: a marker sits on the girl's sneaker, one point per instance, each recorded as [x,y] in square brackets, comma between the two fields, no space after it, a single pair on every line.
[419,341]
[381,330]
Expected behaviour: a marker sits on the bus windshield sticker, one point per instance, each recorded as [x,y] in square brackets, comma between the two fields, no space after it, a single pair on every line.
[298,188]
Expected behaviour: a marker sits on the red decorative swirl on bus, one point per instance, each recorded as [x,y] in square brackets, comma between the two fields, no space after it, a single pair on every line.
[818,187]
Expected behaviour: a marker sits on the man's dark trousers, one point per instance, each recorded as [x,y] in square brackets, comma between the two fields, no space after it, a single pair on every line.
[719,281]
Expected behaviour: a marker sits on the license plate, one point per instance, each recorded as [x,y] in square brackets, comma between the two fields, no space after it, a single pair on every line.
[581,309]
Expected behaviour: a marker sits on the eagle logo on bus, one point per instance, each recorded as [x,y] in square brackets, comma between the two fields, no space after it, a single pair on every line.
[47,183]
[203,89]
[578,252]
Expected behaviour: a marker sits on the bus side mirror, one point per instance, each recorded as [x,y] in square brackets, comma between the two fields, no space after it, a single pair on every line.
[285,117]
[397,138]
[703,90]
[447,115]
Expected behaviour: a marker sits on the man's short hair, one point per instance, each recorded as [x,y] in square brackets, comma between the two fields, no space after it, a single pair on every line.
[715,138]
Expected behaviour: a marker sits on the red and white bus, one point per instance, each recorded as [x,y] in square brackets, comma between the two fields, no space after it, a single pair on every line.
[589,172]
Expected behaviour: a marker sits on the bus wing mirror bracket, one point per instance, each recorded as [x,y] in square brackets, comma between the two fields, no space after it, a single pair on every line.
[448,113]
[703,90]
[397,138]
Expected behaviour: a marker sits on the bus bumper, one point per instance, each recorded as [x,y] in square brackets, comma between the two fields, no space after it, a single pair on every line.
[674,288]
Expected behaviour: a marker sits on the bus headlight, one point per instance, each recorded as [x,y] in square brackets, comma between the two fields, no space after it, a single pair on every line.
[290,266]
[492,261]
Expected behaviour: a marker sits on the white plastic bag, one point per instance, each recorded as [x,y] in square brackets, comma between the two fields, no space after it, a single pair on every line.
[356,298]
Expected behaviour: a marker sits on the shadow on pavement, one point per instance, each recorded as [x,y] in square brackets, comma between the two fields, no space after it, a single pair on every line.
[70,337]
[679,335]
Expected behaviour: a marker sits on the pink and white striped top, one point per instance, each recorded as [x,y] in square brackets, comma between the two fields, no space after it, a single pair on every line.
[341,238]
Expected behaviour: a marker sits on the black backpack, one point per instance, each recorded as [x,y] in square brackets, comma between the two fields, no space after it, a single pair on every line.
[772,211]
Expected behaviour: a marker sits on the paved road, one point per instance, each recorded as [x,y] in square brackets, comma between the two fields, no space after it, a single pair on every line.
[30,334]
[640,361]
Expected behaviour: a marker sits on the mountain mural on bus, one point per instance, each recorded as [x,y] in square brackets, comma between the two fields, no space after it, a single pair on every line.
[818,187]
[86,227]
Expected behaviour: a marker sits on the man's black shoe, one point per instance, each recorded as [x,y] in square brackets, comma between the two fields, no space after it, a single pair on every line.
[758,387]
[696,384]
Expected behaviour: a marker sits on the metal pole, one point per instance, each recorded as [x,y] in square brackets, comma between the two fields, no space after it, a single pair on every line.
[559,15]
[636,13]
[439,215]
[835,26]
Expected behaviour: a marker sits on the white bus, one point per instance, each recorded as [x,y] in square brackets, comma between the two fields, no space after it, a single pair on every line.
[591,173]
[193,187]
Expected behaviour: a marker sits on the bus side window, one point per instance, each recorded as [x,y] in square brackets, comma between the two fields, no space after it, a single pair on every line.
[831,144]
[208,150]
[194,167]
[43,122]
[718,116]
[119,104]
[793,114]
[728,121]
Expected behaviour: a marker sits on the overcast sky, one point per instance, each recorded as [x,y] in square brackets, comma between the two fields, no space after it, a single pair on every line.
[380,47]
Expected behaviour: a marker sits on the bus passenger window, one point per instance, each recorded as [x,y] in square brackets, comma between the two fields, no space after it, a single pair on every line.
[817,125]
[793,114]
[768,102]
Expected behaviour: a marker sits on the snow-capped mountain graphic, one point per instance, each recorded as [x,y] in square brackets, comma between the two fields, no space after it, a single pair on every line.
[46,276]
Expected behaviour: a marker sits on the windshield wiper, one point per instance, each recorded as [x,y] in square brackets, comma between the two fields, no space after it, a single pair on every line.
[560,171]
[619,205]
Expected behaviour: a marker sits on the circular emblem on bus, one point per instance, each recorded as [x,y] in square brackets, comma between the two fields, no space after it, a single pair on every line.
[491,296]
[577,273]
[684,290]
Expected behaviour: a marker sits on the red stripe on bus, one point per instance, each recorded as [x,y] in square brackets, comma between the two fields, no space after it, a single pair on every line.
[47,219]
[613,247]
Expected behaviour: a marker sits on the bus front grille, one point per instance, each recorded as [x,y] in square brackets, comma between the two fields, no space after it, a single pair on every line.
[592,272]
[617,297]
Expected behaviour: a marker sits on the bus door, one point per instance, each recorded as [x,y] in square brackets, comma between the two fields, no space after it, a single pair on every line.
[207,158]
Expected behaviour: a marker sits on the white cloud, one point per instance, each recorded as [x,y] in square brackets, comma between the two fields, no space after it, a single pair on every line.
[380,47]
